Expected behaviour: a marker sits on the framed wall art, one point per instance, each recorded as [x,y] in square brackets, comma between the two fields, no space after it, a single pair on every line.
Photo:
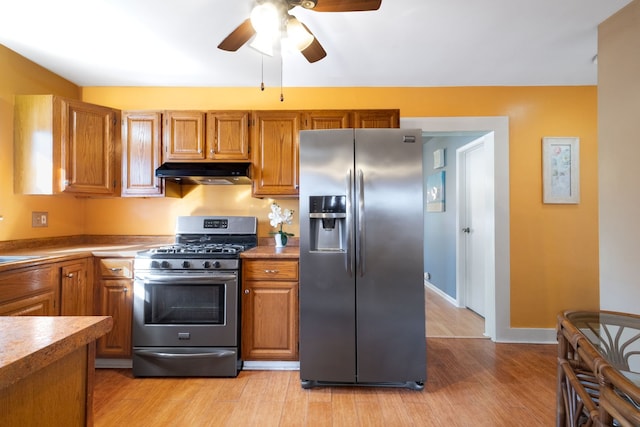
[435,192]
[561,170]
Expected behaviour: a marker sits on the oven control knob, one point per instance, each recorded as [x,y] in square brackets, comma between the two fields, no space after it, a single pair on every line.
[216,264]
[207,264]
[155,264]
[186,264]
[165,264]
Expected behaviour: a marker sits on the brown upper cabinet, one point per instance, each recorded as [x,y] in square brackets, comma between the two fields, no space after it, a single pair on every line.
[327,119]
[228,135]
[183,136]
[65,145]
[141,153]
[198,136]
[275,140]
[376,119]
[269,139]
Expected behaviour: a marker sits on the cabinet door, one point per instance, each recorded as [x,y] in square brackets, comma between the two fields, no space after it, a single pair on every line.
[377,119]
[183,136]
[327,119]
[116,300]
[76,296]
[89,141]
[270,320]
[228,135]
[141,153]
[275,137]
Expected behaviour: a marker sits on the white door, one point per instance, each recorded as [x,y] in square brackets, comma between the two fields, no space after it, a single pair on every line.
[473,225]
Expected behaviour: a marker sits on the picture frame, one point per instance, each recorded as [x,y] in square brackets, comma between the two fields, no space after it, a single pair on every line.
[435,192]
[561,170]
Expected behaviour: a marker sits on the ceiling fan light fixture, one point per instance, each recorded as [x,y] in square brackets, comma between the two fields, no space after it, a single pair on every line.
[298,34]
[263,43]
[265,19]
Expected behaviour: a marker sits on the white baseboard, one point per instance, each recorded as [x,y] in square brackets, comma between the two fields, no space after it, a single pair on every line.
[255,365]
[441,293]
[510,335]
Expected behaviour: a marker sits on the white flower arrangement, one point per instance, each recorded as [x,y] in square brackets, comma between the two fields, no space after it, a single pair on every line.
[278,217]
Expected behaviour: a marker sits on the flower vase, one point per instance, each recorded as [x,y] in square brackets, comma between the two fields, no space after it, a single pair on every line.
[280,240]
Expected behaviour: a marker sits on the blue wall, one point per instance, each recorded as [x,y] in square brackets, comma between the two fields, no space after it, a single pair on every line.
[440,227]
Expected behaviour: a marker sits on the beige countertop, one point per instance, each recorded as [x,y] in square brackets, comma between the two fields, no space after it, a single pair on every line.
[64,253]
[268,251]
[30,343]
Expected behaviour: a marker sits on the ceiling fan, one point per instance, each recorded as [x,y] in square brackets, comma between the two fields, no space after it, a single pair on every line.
[270,21]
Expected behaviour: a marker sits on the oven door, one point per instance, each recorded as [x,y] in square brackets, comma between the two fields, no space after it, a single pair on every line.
[186,310]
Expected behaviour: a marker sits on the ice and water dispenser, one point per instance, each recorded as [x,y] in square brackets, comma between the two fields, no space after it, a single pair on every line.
[327,220]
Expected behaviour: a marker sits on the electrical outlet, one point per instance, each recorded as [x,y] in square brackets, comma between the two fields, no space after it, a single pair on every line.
[39,219]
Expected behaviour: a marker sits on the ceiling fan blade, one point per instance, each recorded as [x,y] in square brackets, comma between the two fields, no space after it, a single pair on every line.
[238,37]
[346,5]
[314,52]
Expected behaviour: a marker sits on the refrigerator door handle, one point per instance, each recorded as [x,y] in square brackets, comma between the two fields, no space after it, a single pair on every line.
[360,255]
[348,257]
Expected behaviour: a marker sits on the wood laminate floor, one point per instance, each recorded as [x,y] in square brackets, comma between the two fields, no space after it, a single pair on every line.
[471,382]
[443,319]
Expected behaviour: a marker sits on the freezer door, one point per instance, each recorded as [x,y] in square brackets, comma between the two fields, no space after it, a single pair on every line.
[390,322]
[327,288]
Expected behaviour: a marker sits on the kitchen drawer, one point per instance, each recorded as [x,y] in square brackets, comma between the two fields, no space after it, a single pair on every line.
[115,267]
[270,269]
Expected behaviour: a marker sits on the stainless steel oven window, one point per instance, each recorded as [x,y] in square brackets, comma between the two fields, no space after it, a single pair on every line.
[185,304]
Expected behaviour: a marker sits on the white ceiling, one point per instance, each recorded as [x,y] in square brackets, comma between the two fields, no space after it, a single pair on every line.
[404,43]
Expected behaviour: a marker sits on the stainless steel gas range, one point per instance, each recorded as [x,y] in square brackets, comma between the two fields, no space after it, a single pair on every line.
[186,319]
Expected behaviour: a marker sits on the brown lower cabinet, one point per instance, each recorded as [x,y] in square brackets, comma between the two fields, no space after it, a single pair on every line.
[57,288]
[29,291]
[270,309]
[114,287]
[76,296]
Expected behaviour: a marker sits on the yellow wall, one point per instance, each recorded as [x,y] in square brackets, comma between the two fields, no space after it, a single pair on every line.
[554,256]
[554,248]
[66,214]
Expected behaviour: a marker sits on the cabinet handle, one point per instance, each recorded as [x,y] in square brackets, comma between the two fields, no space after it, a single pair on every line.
[246,291]
[114,269]
[272,271]
[69,275]
[125,290]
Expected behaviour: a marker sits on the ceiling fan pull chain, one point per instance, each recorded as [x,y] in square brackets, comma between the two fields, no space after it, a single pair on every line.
[262,73]
[281,94]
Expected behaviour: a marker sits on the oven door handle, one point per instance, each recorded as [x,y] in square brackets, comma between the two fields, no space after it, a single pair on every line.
[165,355]
[187,279]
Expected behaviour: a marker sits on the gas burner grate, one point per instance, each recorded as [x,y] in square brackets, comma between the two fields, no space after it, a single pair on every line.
[200,249]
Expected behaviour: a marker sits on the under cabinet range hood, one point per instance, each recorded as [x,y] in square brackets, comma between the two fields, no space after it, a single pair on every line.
[206,173]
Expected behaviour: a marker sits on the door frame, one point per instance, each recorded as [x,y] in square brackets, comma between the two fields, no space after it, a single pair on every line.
[497,319]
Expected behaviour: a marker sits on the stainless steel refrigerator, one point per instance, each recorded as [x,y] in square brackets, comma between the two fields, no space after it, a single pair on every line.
[362,319]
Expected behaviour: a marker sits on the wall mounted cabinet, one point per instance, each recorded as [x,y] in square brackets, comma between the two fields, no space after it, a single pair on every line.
[141,153]
[63,145]
[275,140]
[269,139]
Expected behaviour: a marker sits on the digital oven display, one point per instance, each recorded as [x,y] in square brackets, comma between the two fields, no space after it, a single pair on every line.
[216,223]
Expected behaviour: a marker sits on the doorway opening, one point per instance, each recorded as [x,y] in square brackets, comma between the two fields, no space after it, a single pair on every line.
[497,260]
